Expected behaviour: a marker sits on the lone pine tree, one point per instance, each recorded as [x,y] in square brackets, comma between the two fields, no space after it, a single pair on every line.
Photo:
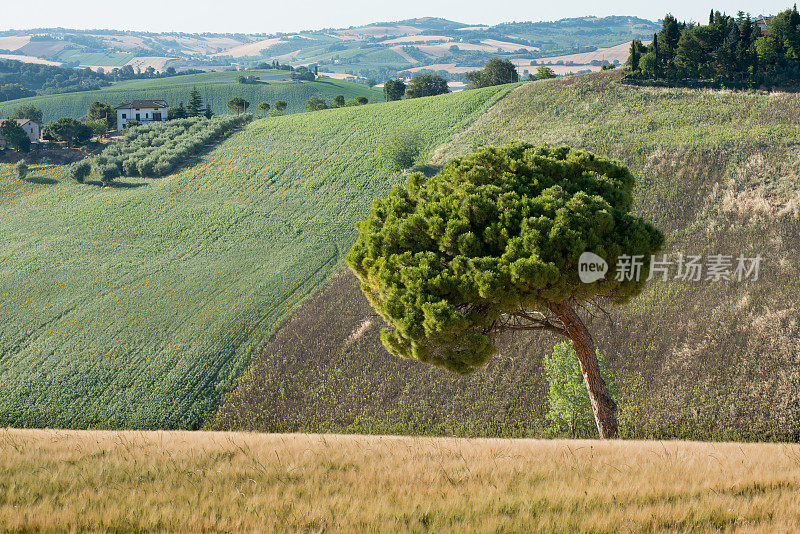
[491,244]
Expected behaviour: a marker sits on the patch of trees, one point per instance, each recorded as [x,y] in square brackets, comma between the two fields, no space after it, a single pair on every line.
[426,85]
[28,112]
[19,80]
[393,90]
[11,91]
[194,108]
[14,135]
[496,72]
[304,74]
[316,103]
[68,130]
[100,117]
[728,49]
[157,149]
[542,73]
[238,105]
[275,64]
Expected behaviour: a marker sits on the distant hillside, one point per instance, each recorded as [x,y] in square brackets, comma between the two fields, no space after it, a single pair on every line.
[364,51]
[217,88]
[717,172]
[138,305]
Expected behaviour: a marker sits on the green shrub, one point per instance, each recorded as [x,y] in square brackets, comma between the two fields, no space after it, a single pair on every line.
[80,170]
[570,410]
[130,167]
[400,148]
[164,166]
[22,169]
[107,173]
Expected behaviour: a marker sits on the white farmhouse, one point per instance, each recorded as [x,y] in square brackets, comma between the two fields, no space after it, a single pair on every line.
[141,111]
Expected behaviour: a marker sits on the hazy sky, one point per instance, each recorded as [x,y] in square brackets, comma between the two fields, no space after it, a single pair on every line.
[286,16]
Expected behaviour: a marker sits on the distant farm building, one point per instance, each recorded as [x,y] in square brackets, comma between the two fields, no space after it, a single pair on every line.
[141,111]
[763,23]
[32,128]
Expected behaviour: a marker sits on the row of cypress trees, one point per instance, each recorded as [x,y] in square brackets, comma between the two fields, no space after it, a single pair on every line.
[728,49]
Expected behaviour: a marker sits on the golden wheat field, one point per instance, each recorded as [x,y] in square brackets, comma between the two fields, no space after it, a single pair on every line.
[213,481]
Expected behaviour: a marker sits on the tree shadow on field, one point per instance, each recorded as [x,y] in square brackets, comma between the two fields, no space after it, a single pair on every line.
[428,169]
[41,181]
[128,185]
[117,185]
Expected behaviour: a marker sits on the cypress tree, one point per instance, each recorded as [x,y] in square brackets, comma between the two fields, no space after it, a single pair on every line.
[195,106]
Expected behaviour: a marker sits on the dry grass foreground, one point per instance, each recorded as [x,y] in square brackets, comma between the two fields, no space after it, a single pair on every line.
[215,481]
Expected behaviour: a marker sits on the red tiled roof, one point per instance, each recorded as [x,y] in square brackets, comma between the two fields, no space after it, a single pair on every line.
[21,122]
[141,104]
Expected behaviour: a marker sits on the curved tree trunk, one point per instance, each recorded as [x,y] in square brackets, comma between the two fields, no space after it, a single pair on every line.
[603,406]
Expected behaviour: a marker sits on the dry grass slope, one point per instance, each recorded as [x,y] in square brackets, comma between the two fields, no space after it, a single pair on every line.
[190,481]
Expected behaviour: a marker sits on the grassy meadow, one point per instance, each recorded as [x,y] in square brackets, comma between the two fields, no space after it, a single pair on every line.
[717,171]
[54,480]
[138,305]
[217,88]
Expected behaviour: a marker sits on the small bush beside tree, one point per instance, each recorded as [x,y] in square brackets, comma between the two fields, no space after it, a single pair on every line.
[570,407]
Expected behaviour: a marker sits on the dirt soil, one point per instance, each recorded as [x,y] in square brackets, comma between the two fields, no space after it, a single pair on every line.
[58,155]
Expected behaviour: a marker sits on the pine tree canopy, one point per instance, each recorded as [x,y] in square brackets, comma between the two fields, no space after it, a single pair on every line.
[444,259]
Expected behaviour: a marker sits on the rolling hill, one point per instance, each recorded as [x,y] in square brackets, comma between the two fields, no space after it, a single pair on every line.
[137,306]
[217,88]
[717,172]
[148,304]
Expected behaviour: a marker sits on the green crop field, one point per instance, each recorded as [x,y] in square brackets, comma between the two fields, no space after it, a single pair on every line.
[717,171]
[110,59]
[138,305]
[217,88]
